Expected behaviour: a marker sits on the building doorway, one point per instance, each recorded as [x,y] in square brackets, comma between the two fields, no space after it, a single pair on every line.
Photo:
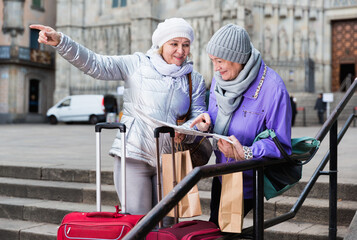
[34,92]
[347,73]
[344,52]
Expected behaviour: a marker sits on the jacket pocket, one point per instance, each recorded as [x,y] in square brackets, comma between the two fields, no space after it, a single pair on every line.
[252,120]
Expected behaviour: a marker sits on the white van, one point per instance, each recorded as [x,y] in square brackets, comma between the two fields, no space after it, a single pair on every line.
[78,108]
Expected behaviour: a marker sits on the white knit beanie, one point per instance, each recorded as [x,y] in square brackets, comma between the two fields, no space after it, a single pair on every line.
[232,43]
[172,28]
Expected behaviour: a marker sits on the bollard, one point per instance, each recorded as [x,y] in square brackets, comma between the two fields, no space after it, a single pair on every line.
[302,109]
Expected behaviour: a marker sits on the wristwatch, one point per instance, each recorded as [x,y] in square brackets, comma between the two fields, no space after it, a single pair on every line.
[248,153]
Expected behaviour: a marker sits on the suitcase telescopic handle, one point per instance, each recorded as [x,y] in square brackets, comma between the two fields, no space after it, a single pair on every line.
[122,129]
[105,125]
[159,130]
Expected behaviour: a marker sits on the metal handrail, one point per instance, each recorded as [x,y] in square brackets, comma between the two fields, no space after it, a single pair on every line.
[182,188]
[318,172]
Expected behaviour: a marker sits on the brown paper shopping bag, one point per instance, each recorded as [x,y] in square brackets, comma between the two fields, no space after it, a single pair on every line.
[190,205]
[231,209]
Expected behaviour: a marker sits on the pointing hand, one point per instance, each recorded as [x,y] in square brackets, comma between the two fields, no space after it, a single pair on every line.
[47,35]
[202,122]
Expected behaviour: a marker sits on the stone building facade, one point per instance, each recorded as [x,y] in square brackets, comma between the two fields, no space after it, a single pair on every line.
[27,72]
[312,44]
[294,36]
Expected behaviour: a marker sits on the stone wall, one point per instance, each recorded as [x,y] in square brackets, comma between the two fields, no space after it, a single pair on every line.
[19,64]
[293,36]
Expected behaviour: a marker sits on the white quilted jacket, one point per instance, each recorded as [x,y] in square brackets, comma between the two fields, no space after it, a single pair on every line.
[163,98]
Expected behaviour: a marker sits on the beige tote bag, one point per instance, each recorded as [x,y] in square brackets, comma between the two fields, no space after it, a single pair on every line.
[231,209]
[190,205]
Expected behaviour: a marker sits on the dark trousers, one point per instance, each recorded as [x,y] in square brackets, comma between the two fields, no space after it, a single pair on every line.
[320,114]
[293,120]
[216,197]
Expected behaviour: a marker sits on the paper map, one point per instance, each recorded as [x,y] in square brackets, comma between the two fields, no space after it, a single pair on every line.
[157,123]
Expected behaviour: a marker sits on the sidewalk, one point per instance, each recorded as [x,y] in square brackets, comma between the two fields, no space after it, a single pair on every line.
[73,146]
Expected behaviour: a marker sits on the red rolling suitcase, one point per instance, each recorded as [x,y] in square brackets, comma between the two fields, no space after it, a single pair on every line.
[187,230]
[100,225]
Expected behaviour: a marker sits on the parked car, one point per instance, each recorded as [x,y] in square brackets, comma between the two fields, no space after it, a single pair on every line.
[78,108]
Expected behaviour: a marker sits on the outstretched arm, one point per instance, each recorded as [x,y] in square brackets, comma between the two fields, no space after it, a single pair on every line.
[95,65]
[47,35]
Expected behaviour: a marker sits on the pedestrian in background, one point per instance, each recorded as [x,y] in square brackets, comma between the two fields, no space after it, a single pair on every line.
[157,84]
[247,98]
[293,110]
[320,107]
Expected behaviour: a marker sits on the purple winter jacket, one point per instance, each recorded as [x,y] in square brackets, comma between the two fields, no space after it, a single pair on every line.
[271,109]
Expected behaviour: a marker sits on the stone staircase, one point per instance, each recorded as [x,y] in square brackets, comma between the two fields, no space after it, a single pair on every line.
[307,101]
[34,200]
[311,222]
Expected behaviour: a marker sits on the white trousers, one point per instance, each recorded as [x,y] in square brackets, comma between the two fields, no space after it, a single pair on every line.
[141,194]
[141,187]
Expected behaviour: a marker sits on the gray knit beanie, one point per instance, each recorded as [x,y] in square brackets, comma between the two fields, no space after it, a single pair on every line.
[232,43]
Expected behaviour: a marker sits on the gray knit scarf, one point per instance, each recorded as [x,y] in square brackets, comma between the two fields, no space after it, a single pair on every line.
[229,93]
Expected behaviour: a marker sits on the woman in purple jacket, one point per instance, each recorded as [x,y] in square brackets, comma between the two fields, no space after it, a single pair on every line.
[246,98]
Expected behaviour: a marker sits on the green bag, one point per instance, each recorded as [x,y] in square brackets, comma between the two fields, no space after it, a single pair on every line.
[304,145]
[279,178]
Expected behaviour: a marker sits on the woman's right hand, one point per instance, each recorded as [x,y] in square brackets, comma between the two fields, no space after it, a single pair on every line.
[47,35]
[202,122]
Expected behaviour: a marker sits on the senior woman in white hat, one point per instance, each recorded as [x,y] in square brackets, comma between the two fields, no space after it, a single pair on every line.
[156,83]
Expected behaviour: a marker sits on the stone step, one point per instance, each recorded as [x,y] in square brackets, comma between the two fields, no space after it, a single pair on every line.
[49,211]
[314,210]
[292,230]
[345,191]
[55,190]
[48,201]
[26,230]
[205,184]
[85,193]
[67,191]
[54,174]
[45,211]
[205,197]
[320,190]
